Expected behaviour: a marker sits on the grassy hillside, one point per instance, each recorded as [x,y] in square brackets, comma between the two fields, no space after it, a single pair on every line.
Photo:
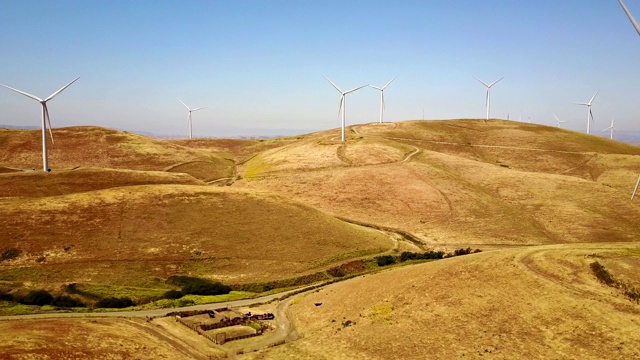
[464,181]
[139,235]
[542,302]
[91,146]
[41,184]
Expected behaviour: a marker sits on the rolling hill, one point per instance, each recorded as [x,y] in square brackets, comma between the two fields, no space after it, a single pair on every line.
[463,182]
[542,302]
[138,235]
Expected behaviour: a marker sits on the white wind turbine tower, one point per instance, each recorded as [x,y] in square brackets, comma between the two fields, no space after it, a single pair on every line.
[558,122]
[612,129]
[589,113]
[342,100]
[489,94]
[189,117]
[633,21]
[382,97]
[45,119]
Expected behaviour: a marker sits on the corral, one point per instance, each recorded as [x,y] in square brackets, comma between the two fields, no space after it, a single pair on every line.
[224,325]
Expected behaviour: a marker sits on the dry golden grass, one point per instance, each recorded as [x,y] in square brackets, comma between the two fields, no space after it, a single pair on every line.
[41,184]
[135,234]
[540,302]
[105,339]
[90,146]
[473,182]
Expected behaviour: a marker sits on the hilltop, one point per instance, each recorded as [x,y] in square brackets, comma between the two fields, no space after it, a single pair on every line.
[463,182]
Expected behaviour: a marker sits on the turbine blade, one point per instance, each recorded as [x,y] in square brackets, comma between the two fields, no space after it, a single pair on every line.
[591,114]
[23,93]
[340,107]
[46,115]
[387,84]
[594,96]
[581,104]
[483,83]
[487,99]
[61,89]
[334,85]
[352,90]
[554,115]
[633,21]
[493,83]
[200,108]
[185,105]
[375,87]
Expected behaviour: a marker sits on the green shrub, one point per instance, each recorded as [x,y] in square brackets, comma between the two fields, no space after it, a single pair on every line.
[173,294]
[37,297]
[602,274]
[73,289]
[10,254]
[114,302]
[66,301]
[197,286]
[385,260]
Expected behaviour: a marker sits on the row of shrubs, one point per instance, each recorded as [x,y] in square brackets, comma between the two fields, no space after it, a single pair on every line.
[187,285]
[605,277]
[385,260]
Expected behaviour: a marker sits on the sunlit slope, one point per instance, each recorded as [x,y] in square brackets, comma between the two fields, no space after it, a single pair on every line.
[90,146]
[42,184]
[535,303]
[131,235]
[524,191]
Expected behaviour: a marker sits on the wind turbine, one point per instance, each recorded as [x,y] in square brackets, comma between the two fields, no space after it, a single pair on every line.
[633,21]
[558,122]
[189,118]
[489,93]
[589,113]
[612,129]
[343,100]
[382,96]
[45,119]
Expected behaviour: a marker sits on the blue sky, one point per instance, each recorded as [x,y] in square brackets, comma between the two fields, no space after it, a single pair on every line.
[258,65]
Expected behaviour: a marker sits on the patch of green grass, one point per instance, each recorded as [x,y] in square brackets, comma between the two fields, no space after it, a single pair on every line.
[207,299]
[631,252]
[104,291]
[21,274]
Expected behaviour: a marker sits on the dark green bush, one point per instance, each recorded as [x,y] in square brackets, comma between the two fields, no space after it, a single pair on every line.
[10,254]
[73,289]
[66,301]
[173,294]
[602,274]
[114,302]
[5,295]
[385,260]
[37,297]
[198,286]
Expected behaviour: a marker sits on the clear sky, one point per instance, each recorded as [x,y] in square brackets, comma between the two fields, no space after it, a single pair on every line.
[258,65]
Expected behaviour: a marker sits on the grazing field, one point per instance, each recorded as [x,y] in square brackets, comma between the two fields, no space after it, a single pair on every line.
[121,213]
[463,182]
[40,184]
[91,146]
[97,339]
[539,302]
[136,235]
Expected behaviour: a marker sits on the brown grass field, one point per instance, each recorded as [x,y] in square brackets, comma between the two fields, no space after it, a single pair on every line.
[141,233]
[124,210]
[527,303]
